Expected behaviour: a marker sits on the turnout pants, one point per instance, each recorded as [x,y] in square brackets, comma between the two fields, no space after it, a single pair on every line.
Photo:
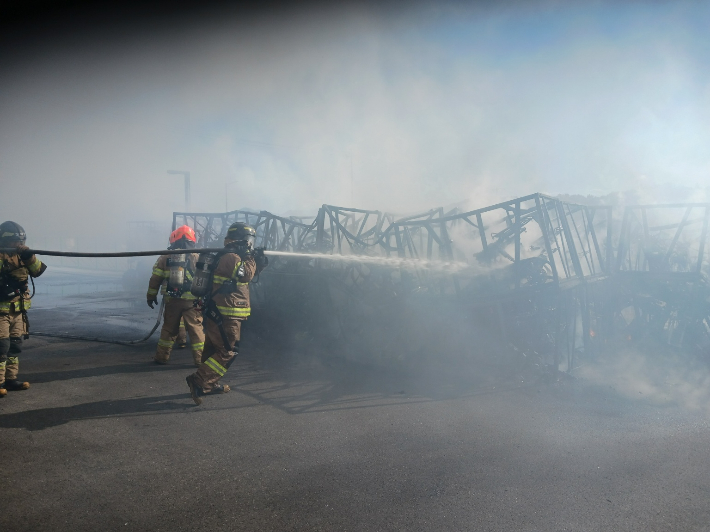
[175,310]
[182,335]
[11,330]
[217,358]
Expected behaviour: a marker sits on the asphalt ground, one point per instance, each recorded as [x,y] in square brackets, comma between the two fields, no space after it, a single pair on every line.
[106,440]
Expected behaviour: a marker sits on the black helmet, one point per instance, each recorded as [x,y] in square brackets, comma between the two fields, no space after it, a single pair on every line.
[12,234]
[241,232]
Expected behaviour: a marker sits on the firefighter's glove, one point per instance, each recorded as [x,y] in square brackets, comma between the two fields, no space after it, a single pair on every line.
[24,252]
[152,302]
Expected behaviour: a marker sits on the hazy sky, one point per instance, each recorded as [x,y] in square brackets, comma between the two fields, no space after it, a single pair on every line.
[397,109]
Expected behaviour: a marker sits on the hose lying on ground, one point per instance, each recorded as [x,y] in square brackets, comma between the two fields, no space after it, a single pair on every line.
[105,341]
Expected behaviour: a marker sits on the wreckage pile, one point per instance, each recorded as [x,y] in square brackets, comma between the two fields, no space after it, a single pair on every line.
[551,282]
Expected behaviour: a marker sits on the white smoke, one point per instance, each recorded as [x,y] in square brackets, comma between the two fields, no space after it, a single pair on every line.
[357,107]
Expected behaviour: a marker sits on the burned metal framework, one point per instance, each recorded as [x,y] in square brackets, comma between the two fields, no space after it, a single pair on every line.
[273,232]
[556,275]
[661,272]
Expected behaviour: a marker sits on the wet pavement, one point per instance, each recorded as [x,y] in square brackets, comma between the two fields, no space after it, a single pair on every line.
[106,440]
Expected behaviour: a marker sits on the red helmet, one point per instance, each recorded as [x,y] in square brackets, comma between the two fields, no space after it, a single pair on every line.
[184,231]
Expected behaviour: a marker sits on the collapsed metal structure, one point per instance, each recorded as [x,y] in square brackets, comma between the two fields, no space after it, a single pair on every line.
[545,279]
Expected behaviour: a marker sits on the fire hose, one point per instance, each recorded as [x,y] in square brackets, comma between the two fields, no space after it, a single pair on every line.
[104,340]
[118,254]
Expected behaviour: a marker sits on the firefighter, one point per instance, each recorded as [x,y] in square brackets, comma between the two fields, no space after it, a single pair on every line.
[174,273]
[226,305]
[15,270]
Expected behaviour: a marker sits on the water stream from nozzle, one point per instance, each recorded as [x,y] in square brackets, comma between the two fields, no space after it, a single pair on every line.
[392,262]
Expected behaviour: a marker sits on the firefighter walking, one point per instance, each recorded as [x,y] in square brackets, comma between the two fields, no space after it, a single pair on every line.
[15,270]
[174,273]
[222,279]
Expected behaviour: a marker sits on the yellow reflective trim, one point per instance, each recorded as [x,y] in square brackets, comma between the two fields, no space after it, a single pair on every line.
[2,364]
[165,343]
[218,368]
[152,291]
[35,266]
[14,306]
[161,273]
[12,361]
[236,269]
[238,312]
[187,295]
[195,347]
[220,280]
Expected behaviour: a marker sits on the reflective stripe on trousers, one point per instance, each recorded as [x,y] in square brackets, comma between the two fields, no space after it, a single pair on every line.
[218,368]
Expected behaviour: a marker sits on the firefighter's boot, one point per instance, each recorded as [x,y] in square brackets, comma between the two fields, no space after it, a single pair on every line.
[15,385]
[12,368]
[218,388]
[3,392]
[195,391]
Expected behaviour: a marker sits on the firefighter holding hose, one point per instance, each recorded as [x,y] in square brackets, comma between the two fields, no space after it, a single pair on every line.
[222,283]
[174,273]
[15,270]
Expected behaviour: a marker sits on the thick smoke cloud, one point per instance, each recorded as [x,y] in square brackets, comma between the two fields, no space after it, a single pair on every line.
[395,109]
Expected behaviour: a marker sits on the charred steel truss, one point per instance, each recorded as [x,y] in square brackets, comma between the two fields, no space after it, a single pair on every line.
[562,279]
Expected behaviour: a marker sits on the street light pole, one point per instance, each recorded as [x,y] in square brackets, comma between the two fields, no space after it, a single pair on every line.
[186,175]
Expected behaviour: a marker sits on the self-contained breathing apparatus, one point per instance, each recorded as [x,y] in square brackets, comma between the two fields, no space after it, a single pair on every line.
[178,283]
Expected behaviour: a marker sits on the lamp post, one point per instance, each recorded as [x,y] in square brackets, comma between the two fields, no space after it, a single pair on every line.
[186,175]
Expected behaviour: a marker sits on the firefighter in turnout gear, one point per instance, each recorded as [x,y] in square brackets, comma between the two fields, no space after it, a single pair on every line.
[174,273]
[222,280]
[15,270]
